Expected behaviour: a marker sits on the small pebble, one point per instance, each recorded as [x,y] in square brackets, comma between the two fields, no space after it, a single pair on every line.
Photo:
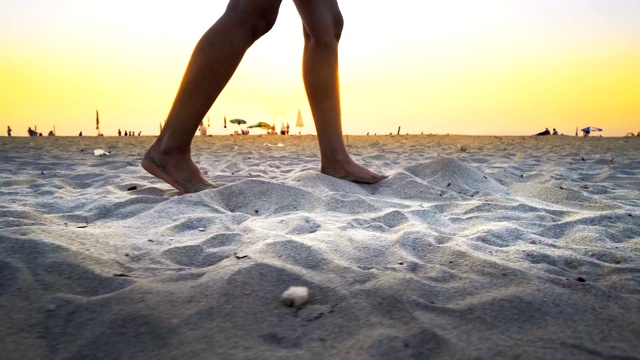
[295,296]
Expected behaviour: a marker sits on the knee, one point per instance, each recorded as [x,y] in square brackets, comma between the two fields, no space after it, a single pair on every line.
[337,24]
[328,32]
[262,23]
[257,21]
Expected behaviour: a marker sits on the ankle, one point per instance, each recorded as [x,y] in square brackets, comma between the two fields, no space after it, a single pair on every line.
[335,156]
[165,148]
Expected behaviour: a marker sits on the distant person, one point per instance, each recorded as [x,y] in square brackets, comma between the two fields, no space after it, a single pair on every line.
[544,133]
[130,133]
[555,132]
[119,132]
[9,131]
[213,62]
[586,132]
[126,133]
[80,133]
[203,129]
[139,133]
[287,129]
[32,132]
[51,133]
[282,130]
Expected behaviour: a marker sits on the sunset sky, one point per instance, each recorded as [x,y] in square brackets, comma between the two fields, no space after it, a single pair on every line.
[461,67]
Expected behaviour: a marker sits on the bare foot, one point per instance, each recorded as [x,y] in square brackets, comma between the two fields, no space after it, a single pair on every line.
[177,170]
[351,171]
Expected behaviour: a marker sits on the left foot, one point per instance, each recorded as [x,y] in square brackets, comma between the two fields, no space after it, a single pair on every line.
[176,169]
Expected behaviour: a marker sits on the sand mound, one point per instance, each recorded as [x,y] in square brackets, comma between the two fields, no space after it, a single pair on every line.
[514,248]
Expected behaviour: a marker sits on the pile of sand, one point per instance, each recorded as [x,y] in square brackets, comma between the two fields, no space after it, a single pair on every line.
[474,247]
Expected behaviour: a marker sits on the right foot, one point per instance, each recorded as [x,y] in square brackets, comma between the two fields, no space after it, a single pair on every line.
[351,171]
[178,171]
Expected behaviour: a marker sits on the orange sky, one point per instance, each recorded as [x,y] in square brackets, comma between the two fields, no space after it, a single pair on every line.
[459,67]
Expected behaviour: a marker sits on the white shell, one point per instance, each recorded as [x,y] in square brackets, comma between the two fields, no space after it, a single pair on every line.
[295,296]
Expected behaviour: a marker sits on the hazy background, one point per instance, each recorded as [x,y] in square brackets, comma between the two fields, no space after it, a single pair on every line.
[459,67]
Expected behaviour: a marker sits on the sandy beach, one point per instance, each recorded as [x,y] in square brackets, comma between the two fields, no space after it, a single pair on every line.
[474,247]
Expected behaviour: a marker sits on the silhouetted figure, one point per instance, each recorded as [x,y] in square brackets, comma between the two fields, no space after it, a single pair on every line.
[9,131]
[32,132]
[555,132]
[119,132]
[80,133]
[139,133]
[544,133]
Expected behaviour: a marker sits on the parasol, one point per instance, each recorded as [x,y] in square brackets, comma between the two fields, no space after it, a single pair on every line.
[238,121]
[261,125]
[587,131]
[299,122]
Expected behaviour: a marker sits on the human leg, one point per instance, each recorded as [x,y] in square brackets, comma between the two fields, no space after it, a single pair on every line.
[213,62]
[322,27]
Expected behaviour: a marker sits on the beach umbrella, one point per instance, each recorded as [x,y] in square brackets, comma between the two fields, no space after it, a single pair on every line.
[261,125]
[299,123]
[238,121]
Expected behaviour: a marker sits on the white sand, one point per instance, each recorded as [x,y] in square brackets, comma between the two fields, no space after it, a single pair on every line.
[515,248]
